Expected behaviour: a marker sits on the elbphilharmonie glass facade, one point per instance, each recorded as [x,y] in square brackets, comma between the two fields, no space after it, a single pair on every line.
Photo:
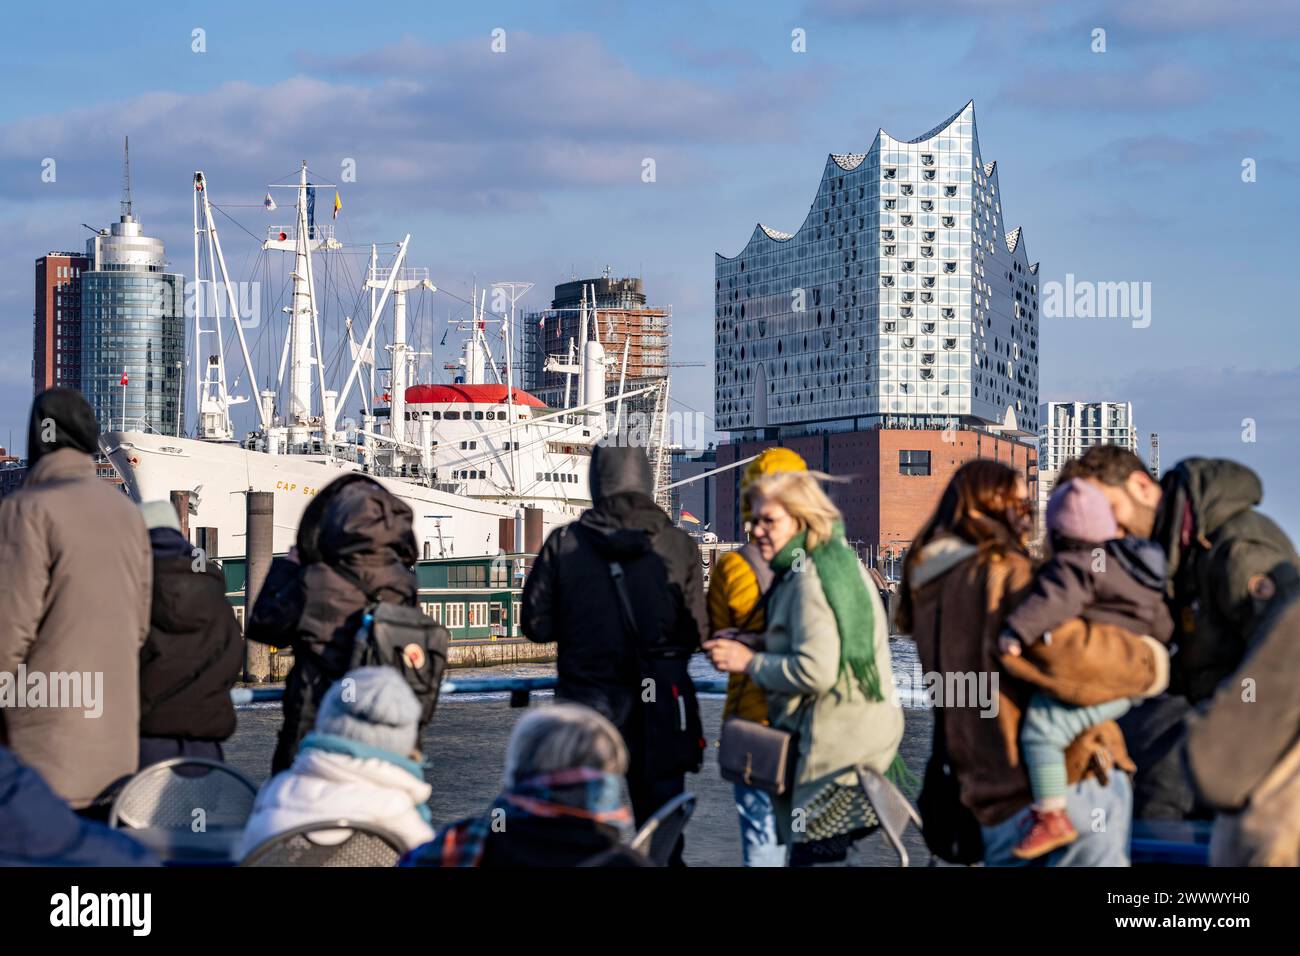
[903,300]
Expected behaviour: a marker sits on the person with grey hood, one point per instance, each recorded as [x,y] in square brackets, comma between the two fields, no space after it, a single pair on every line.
[624,644]
[77,568]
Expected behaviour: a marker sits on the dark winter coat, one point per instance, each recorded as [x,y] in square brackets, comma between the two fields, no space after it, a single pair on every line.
[38,829]
[541,842]
[1228,565]
[355,546]
[194,652]
[569,597]
[1252,720]
[359,547]
[1122,585]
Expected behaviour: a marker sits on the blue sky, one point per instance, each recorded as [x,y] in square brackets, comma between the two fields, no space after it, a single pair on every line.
[1121,166]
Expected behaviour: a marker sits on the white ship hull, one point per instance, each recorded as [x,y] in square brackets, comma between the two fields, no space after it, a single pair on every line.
[219,475]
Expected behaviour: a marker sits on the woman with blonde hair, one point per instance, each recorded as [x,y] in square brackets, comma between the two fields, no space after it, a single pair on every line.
[824,664]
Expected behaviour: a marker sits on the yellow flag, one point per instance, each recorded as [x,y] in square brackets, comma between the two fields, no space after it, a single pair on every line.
[338,204]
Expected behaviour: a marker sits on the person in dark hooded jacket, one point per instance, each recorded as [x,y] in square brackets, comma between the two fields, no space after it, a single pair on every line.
[194,652]
[570,598]
[356,546]
[1228,565]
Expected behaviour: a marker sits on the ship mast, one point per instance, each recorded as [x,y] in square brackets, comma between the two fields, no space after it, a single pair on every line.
[515,290]
[302,309]
[213,399]
[399,282]
[304,344]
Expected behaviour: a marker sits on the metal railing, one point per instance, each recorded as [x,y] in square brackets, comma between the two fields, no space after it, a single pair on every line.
[320,232]
[520,689]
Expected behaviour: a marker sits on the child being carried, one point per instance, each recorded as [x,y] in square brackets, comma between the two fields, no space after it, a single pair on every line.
[1097,575]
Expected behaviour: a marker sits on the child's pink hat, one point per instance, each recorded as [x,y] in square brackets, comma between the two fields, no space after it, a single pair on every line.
[1078,509]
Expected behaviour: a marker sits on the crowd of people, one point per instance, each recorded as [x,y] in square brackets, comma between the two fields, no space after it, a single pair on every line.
[1144,667]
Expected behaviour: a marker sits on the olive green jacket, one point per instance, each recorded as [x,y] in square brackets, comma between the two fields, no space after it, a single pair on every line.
[1236,564]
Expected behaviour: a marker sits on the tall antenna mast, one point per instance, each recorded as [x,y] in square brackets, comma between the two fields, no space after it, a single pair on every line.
[126,179]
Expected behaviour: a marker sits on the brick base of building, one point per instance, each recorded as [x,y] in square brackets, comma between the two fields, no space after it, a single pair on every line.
[883,506]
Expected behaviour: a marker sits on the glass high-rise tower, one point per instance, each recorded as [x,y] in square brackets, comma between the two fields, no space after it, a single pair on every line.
[903,301]
[132,328]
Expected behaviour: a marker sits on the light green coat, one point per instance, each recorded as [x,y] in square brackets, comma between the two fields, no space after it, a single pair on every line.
[838,727]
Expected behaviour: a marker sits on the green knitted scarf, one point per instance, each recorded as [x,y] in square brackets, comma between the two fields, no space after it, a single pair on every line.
[841,579]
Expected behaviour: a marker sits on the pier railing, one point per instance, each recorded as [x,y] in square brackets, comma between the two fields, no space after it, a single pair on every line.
[520,689]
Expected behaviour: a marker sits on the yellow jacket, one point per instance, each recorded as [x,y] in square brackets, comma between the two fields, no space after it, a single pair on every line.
[733,602]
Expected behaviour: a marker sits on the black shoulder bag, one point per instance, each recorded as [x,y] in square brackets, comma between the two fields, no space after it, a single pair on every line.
[950,829]
[674,734]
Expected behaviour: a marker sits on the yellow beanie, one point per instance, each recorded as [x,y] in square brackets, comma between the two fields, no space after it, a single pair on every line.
[770,461]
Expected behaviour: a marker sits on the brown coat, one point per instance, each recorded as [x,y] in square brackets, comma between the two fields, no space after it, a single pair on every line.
[77,572]
[961,597]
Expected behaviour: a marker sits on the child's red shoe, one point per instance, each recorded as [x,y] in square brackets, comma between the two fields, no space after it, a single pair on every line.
[1051,830]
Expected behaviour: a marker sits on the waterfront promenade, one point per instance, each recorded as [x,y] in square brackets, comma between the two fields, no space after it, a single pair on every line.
[465,749]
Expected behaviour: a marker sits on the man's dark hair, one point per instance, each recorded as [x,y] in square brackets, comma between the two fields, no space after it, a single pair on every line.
[1109,464]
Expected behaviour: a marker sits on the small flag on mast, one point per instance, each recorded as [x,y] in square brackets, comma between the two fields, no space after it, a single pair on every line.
[123,382]
[338,204]
[269,203]
[688,517]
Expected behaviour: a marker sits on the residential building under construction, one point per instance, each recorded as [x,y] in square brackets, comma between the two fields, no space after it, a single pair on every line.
[636,339]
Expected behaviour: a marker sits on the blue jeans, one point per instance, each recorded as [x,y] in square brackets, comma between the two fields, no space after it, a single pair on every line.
[1048,728]
[1102,815]
[758,840]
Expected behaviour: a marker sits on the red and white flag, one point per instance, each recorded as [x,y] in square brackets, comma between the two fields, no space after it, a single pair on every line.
[123,382]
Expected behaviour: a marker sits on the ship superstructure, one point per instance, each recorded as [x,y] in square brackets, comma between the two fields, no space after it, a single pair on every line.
[463,454]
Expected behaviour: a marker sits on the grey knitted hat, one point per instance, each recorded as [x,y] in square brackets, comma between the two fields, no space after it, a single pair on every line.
[374,706]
